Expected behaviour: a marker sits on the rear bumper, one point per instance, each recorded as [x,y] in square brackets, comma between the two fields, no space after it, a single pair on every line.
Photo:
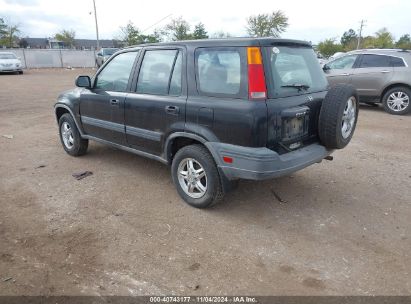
[263,163]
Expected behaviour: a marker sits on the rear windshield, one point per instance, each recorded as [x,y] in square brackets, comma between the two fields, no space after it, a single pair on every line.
[7,56]
[293,70]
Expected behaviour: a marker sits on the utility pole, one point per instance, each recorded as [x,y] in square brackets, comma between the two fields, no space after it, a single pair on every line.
[360,32]
[95,17]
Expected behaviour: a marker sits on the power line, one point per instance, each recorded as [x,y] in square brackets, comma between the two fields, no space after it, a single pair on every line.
[360,32]
[156,23]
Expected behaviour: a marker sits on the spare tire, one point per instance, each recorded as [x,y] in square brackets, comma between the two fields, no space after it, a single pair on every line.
[338,116]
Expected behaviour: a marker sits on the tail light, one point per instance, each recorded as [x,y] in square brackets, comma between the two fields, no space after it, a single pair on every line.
[256,79]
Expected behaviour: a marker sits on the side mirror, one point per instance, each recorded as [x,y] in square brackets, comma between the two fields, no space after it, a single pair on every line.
[326,67]
[83,82]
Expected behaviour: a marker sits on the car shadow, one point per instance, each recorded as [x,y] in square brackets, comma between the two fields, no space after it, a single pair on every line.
[375,108]
[250,201]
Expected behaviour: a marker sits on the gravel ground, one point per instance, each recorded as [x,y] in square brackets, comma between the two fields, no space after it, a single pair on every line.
[341,227]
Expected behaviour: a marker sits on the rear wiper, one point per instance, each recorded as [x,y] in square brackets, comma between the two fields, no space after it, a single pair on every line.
[297,86]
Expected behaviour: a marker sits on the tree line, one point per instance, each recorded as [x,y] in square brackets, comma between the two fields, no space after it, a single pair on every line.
[350,40]
[261,25]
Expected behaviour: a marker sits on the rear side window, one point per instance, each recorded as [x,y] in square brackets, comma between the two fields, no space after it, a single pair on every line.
[375,61]
[397,62]
[156,73]
[219,71]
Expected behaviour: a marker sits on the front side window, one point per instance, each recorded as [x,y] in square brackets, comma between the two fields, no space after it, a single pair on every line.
[293,70]
[375,61]
[342,63]
[116,74]
[218,72]
[156,72]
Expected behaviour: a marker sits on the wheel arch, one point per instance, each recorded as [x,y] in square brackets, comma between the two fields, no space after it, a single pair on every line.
[178,140]
[61,109]
[391,86]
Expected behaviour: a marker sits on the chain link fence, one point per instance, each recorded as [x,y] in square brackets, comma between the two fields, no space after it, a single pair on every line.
[50,58]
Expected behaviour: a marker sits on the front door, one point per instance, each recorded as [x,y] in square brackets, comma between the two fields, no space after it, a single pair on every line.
[157,106]
[102,107]
[340,70]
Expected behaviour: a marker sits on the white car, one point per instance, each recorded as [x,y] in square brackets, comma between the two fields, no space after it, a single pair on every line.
[10,63]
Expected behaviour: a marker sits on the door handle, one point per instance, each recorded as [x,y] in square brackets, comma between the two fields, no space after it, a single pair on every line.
[344,74]
[385,71]
[114,102]
[172,110]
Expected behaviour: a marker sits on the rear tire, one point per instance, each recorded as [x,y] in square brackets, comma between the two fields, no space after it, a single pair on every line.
[196,177]
[397,100]
[338,116]
[70,136]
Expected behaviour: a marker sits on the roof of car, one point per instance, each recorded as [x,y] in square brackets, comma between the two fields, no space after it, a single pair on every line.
[380,51]
[229,42]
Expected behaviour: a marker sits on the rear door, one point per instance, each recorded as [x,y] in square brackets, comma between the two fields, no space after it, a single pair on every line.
[102,107]
[340,70]
[296,88]
[372,75]
[156,105]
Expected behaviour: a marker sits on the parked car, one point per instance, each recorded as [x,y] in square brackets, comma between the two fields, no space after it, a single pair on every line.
[9,62]
[215,110]
[379,75]
[321,59]
[336,55]
[103,55]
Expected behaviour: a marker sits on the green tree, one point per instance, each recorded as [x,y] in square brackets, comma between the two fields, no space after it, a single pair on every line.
[329,47]
[221,34]
[384,39]
[66,36]
[264,25]
[11,36]
[404,42]
[178,29]
[3,28]
[131,35]
[200,32]
[349,40]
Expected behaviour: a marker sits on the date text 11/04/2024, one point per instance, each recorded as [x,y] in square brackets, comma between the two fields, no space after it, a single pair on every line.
[202,299]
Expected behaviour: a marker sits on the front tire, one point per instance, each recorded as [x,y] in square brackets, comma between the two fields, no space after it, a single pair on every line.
[70,137]
[397,101]
[196,177]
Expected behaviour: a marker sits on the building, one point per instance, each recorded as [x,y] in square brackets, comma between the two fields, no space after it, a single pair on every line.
[79,44]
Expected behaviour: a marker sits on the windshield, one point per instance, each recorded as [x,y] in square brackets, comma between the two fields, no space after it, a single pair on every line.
[294,70]
[7,56]
[109,52]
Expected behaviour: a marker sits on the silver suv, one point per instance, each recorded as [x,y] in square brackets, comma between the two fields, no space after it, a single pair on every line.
[379,75]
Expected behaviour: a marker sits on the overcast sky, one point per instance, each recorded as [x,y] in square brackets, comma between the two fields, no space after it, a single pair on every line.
[312,20]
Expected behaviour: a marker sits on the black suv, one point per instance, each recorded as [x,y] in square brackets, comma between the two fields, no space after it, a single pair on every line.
[215,110]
